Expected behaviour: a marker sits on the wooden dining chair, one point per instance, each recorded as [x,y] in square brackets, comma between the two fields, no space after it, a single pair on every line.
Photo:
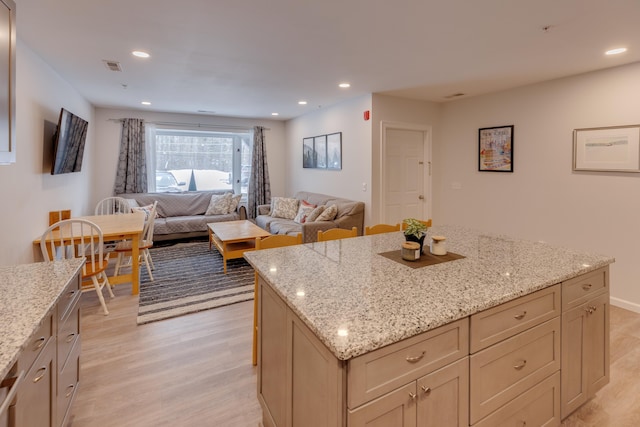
[55,216]
[273,241]
[426,223]
[79,238]
[145,243]
[337,233]
[112,205]
[381,228]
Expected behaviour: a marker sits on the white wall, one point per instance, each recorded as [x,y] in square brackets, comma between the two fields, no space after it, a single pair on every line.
[345,117]
[108,144]
[543,199]
[28,189]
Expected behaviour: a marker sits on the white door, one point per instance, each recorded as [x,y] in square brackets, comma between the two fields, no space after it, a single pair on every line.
[405,175]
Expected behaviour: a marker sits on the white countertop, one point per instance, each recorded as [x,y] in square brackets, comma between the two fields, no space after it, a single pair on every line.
[356,300]
[27,293]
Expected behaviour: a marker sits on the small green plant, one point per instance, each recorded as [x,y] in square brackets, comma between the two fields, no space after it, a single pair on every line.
[415,228]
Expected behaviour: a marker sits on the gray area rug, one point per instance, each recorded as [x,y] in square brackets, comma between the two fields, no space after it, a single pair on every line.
[190,278]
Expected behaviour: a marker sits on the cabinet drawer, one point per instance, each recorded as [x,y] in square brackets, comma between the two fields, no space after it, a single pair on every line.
[538,406]
[37,342]
[68,382]
[68,298]
[578,290]
[491,326]
[67,334]
[374,374]
[507,369]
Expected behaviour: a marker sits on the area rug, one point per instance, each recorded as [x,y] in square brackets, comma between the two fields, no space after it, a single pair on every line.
[190,278]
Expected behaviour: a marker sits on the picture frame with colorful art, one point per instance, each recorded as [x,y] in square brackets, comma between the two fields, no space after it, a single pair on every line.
[495,149]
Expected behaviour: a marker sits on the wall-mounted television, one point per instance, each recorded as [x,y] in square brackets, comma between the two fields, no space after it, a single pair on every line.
[68,145]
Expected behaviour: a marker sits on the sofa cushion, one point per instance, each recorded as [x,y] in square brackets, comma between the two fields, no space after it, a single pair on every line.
[315,213]
[189,223]
[145,209]
[220,204]
[284,207]
[284,226]
[329,214]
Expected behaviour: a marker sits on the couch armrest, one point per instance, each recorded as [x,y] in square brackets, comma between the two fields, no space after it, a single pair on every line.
[264,209]
[310,230]
[242,211]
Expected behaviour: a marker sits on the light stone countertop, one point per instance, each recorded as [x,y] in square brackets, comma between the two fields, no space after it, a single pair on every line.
[356,300]
[27,293]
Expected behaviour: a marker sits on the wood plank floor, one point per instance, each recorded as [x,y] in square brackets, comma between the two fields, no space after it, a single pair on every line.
[196,370]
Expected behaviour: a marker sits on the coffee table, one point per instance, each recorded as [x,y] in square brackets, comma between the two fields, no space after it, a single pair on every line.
[234,238]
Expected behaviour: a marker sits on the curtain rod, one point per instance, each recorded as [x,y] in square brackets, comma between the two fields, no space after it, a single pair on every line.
[197,125]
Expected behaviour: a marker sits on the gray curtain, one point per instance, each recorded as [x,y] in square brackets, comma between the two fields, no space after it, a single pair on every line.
[259,187]
[131,176]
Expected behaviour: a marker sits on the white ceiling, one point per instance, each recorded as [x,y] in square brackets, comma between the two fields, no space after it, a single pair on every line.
[251,58]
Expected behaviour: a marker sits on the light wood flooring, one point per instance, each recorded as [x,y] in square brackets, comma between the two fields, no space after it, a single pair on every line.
[195,370]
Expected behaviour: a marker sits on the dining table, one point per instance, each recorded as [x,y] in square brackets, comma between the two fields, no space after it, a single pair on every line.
[118,227]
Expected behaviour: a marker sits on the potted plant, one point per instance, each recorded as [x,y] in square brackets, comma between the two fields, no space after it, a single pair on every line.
[415,231]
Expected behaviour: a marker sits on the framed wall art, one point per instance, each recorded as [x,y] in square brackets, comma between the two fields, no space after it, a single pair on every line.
[607,149]
[495,149]
[322,151]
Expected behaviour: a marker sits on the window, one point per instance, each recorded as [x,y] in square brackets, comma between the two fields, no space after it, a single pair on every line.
[189,160]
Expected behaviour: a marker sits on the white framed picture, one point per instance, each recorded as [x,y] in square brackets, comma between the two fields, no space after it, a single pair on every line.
[607,149]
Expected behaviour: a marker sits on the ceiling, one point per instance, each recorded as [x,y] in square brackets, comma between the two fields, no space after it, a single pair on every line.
[244,58]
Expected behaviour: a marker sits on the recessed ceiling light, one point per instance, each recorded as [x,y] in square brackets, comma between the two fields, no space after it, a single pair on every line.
[275,114]
[145,103]
[302,102]
[140,54]
[616,51]
[344,85]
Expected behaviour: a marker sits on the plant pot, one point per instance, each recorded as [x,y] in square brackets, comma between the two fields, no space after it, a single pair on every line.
[412,238]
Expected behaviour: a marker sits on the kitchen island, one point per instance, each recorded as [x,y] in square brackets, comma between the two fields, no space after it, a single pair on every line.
[347,336]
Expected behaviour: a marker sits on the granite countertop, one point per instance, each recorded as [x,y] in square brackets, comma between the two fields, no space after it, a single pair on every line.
[356,300]
[27,293]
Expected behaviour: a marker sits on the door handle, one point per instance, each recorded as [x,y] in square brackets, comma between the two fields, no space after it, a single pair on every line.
[421,197]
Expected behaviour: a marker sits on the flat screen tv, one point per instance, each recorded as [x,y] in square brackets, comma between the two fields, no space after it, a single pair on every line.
[68,145]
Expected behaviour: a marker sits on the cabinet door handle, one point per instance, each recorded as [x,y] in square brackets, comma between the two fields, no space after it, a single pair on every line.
[426,389]
[520,365]
[587,286]
[415,359]
[412,395]
[69,390]
[40,374]
[520,316]
[39,343]
[70,337]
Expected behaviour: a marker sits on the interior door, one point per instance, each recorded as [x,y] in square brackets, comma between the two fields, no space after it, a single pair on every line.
[406,175]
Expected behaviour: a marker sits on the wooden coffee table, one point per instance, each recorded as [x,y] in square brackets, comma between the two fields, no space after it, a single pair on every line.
[234,238]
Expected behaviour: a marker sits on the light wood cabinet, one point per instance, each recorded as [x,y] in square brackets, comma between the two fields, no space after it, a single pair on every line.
[585,351]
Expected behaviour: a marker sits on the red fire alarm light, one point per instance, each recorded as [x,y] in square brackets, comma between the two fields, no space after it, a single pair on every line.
[367,115]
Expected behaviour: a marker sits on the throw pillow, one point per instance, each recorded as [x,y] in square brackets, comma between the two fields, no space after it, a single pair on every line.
[284,207]
[315,213]
[235,201]
[146,209]
[329,214]
[219,204]
[133,203]
[303,211]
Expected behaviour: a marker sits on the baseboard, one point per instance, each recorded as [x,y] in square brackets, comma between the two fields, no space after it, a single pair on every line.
[627,305]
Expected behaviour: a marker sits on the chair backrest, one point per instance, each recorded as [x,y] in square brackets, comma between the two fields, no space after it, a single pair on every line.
[74,238]
[381,228]
[55,216]
[112,205]
[336,233]
[278,241]
[426,223]
[149,222]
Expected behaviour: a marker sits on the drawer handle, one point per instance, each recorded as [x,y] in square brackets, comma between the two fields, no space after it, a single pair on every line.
[412,395]
[520,316]
[70,337]
[69,390]
[591,309]
[39,343]
[426,389]
[42,371]
[71,294]
[520,365]
[415,358]
[587,286]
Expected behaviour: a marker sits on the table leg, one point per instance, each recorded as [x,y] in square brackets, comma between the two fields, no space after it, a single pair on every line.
[135,265]
[224,256]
